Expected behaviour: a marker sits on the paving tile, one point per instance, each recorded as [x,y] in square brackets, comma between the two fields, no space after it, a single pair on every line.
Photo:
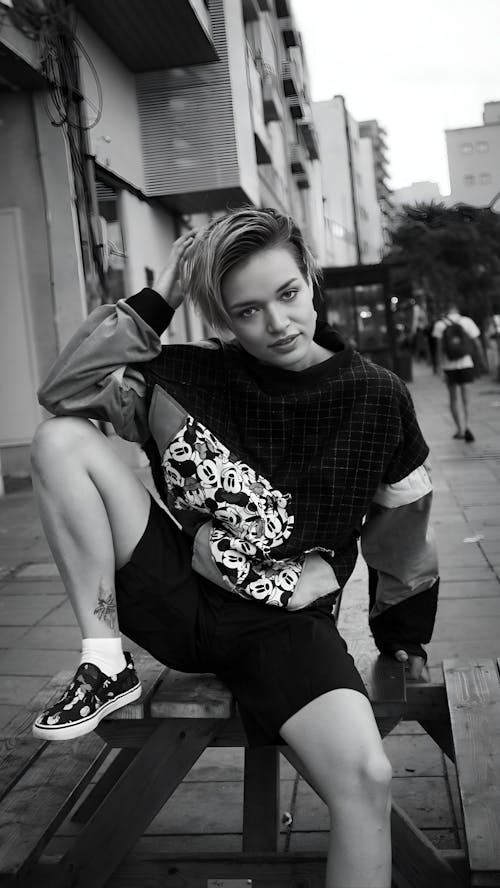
[415,756]
[63,615]
[47,638]
[310,814]
[24,610]
[471,608]
[407,727]
[19,689]
[469,589]
[36,588]
[45,570]
[7,713]
[33,662]
[477,628]
[456,649]
[10,635]
[425,800]
[212,807]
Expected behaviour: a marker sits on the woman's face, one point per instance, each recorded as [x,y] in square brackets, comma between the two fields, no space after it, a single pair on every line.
[270,305]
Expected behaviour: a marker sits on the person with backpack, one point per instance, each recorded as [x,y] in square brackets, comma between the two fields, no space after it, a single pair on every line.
[457,338]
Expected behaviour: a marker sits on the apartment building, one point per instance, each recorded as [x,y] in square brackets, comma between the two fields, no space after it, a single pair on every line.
[180,109]
[371,129]
[474,159]
[353,226]
[417,192]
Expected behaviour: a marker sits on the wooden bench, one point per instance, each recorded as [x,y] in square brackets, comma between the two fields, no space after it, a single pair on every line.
[162,736]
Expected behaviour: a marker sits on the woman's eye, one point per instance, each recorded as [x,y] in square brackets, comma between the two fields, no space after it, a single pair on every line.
[247,312]
[289,295]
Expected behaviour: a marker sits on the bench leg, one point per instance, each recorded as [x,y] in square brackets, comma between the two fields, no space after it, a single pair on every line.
[104,786]
[416,862]
[440,731]
[143,789]
[261,799]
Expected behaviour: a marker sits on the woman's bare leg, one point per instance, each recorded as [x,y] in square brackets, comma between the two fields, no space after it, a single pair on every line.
[93,511]
[337,746]
[452,390]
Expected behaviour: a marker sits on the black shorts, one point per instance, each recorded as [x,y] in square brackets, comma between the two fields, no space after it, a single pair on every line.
[274,661]
[460,377]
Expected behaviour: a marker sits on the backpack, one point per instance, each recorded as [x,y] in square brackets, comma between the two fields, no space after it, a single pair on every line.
[455,340]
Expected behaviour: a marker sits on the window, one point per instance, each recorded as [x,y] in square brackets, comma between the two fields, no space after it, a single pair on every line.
[482,147]
[469,180]
[485,178]
[466,148]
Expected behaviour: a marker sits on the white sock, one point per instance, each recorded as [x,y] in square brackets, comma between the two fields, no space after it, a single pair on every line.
[106,653]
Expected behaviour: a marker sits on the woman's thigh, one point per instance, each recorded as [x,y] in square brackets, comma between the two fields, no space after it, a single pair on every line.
[336,737]
[66,453]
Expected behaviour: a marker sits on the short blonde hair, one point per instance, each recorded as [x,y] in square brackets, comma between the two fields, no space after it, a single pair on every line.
[233,238]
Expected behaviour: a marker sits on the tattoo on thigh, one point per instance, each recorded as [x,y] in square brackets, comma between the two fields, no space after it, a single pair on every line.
[106,608]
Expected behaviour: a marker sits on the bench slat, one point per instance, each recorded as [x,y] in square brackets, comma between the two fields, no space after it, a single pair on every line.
[192,695]
[203,695]
[43,796]
[473,692]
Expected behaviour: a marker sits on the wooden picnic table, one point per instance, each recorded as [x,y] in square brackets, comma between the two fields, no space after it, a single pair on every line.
[160,737]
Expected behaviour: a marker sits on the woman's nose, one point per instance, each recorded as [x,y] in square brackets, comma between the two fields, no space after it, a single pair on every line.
[277,320]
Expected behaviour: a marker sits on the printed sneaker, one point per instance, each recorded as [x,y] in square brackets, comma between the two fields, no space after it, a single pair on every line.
[90,697]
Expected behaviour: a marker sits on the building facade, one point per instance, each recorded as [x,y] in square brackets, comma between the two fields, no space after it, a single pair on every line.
[371,129]
[417,192]
[179,110]
[474,159]
[353,228]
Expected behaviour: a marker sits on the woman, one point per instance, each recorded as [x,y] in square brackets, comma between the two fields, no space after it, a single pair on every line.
[275,442]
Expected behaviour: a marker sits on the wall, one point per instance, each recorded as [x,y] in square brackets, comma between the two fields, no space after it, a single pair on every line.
[329,120]
[466,159]
[370,221]
[119,123]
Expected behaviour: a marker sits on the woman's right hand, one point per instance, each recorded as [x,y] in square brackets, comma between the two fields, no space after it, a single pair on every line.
[167,283]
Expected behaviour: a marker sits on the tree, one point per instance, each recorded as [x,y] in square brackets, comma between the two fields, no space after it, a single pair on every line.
[452,253]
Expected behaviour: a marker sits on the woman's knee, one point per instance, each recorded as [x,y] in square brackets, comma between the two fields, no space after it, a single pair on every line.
[361,779]
[376,777]
[57,437]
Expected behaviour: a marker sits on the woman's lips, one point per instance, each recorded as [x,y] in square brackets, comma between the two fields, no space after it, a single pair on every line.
[286,342]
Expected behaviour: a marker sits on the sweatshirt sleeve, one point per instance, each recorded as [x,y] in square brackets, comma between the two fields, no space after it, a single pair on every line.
[93,376]
[398,545]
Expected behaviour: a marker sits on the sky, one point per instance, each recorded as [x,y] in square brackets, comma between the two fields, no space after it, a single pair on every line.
[417,66]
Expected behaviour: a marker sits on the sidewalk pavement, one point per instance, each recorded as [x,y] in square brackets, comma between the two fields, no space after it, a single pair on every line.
[39,637]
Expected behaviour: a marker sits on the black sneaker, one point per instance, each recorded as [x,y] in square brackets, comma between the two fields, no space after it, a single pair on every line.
[90,697]
[468,436]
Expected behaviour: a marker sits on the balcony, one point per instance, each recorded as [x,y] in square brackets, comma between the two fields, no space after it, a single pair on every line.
[298,160]
[271,99]
[296,106]
[309,137]
[289,33]
[292,81]
[298,165]
[251,10]
[261,136]
[283,8]
[152,35]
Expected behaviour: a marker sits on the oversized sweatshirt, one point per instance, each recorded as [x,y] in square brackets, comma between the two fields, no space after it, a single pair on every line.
[274,473]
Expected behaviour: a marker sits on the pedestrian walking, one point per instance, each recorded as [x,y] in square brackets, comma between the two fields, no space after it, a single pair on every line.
[275,440]
[458,340]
